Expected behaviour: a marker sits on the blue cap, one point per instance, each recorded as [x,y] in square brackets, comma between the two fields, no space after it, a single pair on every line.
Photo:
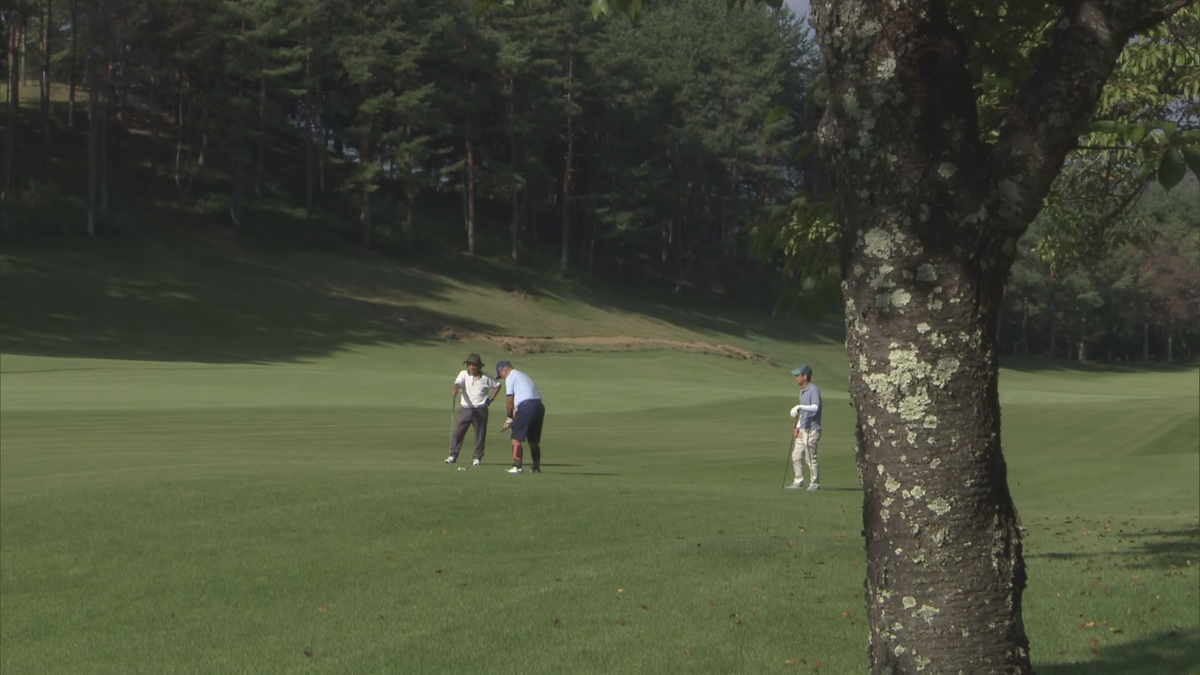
[501,365]
[802,370]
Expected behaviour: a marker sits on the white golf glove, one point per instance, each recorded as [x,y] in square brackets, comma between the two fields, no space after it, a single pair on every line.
[795,411]
[507,423]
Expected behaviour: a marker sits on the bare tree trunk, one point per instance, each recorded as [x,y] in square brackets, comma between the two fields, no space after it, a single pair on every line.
[1171,340]
[364,156]
[667,235]
[235,195]
[200,159]
[1083,342]
[71,69]
[470,194]
[14,95]
[23,24]
[1025,325]
[1145,340]
[262,132]
[47,21]
[107,88]
[308,121]
[94,101]
[533,226]
[568,162]
[180,123]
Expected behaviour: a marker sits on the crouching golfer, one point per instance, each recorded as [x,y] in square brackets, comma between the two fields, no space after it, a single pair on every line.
[527,413]
[478,391]
[807,432]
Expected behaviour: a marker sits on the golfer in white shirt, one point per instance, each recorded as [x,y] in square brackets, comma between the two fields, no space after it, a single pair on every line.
[477,391]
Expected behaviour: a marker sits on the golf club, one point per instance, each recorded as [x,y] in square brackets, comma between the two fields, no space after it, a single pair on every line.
[451,426]
[788,462]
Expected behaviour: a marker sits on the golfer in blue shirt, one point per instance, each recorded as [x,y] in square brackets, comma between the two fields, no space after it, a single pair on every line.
[526,412]
[808,430]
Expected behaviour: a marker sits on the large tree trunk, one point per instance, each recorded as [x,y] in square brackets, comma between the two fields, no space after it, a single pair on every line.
[930,215]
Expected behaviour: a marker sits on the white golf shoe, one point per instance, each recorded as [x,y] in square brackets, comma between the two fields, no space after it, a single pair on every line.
[476,463]
[515,469]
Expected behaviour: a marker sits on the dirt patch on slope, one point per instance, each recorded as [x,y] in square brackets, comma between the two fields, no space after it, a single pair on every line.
[619,343]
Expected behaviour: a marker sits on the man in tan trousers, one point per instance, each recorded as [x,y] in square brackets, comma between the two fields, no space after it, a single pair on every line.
[808,431]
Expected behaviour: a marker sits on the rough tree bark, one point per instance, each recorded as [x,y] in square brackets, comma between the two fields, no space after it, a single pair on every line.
[930,215]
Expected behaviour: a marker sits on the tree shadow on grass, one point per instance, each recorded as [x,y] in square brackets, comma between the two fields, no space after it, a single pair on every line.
[1170,653]
[743,324]
[166,301]
[1151,549]
[1033,364]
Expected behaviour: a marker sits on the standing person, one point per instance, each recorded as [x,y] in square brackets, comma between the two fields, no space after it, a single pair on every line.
[807,432]
[478,390]
[526,412]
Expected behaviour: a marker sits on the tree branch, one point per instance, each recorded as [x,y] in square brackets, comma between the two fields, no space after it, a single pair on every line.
[1041,128]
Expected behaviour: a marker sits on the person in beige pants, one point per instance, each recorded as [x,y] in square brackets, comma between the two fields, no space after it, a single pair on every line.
[808,431]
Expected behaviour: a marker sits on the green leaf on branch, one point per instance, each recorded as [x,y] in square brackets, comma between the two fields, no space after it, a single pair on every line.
[1171,168]
[1191,156]
[775,113]
[1168,128]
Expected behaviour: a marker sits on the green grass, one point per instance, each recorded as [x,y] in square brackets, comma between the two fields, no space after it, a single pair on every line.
[232,463]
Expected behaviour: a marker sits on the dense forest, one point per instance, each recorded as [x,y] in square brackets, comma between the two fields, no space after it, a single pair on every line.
[648,152]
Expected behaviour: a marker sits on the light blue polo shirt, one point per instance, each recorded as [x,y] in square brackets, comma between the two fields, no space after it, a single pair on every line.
[520,387]
[808,396]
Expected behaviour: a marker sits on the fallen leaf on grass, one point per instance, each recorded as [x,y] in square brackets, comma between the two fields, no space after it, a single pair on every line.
[791,543]
[620,623]
[1089,624]
[308,653]
[437,571]
[712,603]
[686,651]
[558,622]
[789,662]
[845,615]
[1093,642]
[620,591]
[802,530]
[645,608]
[322,608]
[816,664]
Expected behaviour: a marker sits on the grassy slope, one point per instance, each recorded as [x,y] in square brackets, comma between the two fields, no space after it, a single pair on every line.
[222,462]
